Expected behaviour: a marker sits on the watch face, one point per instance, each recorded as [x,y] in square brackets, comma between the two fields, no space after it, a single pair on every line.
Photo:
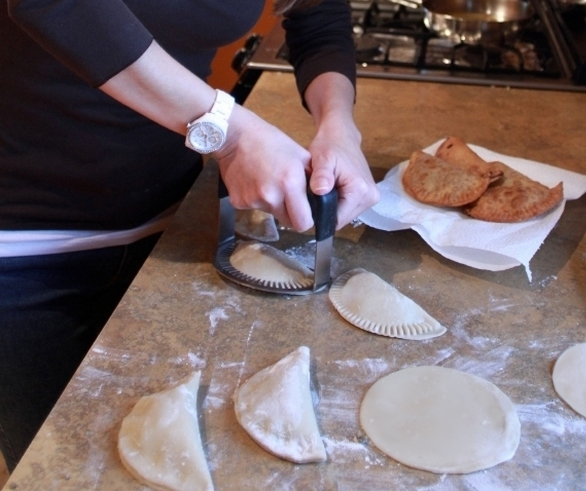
[205,137]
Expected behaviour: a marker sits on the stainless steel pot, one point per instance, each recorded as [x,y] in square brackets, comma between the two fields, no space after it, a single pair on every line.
[476,21]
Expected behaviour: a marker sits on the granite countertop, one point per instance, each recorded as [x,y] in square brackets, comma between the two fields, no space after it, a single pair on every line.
[180,316]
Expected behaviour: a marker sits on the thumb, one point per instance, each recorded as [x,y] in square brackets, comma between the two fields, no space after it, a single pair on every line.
[321,181]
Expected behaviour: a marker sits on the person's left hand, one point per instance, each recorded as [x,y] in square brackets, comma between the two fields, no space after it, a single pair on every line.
[337,159]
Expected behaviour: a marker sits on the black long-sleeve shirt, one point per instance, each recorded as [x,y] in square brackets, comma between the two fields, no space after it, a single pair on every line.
[71,157]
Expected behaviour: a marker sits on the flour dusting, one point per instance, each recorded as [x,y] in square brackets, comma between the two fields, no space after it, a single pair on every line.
[215,315]
[201,288]
[492,363]
[195,360]
[305,254]
[348,451]
[370,368]
[556,420]
[222,384]
[192,359]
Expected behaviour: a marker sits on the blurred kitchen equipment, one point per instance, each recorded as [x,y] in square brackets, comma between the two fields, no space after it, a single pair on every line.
[477,21]
[546,51]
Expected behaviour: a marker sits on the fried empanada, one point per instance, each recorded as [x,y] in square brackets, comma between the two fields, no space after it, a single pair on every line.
[455,151]
[514,198]
[434,181]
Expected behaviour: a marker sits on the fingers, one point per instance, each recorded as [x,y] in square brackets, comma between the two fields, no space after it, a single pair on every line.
[355,198]
[265,169]
[289,205]
[299,211]
[322,180]
[281,192]
[345,167]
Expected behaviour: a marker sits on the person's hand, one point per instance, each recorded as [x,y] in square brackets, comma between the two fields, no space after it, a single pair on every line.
[336,156]
[336,159]
[264,169]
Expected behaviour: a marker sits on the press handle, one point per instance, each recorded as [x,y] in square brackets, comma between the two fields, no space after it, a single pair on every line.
[324,209]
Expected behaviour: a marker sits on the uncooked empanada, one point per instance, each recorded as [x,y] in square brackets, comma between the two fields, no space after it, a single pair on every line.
[370,303]
[269,265]
[159,442]
[275,408]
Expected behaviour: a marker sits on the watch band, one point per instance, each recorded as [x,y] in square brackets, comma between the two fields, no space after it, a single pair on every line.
[207,133]
[223,104]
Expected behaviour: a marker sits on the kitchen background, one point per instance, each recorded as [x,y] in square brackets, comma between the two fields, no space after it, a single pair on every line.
[539,44]
[223,76]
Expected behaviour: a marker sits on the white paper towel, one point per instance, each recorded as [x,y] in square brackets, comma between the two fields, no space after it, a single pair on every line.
[475,243]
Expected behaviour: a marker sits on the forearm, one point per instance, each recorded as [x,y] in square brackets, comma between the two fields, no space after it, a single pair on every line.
[330,99]
[262,167]
[161,89]
[336,156]
[320,41]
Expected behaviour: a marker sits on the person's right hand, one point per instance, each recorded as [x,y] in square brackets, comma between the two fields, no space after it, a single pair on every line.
[261,166]
[265,169]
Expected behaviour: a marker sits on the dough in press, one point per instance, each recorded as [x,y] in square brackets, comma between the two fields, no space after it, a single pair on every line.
[440,420]
[370,303]
[256,225]
[159,441]
[275,408]
[270,265]
[569,377]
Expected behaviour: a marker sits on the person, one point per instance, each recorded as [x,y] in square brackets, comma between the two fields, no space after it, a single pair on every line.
[95,103]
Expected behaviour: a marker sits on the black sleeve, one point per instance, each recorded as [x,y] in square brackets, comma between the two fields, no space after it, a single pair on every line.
[96,39]
[320,40]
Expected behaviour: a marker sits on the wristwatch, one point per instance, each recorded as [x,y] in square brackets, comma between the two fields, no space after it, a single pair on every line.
[208,133]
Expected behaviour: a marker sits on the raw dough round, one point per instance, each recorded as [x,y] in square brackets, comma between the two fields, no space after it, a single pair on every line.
[569,377]
[440,420]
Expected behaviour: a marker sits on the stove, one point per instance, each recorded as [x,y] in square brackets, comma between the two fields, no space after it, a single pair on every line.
[393,41]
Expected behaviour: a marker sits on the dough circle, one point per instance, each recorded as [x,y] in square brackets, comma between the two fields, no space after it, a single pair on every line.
[569,377]
[440,420]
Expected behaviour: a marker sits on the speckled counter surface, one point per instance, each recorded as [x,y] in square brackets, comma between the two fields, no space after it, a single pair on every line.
[180,316]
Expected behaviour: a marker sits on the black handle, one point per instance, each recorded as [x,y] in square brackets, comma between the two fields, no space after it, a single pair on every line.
[324,210]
